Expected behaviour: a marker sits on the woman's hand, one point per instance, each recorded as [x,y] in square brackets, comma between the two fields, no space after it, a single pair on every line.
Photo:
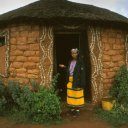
[62,66]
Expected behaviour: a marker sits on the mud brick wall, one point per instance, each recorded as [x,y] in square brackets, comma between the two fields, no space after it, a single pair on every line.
[31,55]
[113,42]
[24,53]
[107,55]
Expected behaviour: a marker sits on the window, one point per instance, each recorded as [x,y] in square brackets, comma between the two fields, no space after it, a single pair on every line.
[2,41]
[4,54]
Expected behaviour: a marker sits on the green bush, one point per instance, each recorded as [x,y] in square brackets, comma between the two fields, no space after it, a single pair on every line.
[2,98]
[40,105]
[114,117]
[119,91]
[2,88]
[49,108]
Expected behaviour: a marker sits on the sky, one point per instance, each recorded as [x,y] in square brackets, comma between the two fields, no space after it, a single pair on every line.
[119,6]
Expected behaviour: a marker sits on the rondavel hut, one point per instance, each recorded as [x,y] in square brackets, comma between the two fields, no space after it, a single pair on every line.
[35,38]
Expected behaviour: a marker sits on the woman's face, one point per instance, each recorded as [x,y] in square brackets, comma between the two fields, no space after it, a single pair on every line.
[74,55]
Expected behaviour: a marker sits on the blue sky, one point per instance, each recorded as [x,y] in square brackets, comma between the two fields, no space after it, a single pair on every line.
[119,6]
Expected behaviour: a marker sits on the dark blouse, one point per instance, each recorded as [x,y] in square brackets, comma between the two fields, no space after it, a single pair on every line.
[78,74]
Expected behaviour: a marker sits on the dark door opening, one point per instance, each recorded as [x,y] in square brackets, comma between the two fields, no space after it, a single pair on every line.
[63,43]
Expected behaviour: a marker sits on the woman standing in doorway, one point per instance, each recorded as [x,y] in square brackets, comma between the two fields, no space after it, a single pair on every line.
[76,84]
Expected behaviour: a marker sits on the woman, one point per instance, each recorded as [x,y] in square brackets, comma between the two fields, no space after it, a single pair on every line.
[75,86]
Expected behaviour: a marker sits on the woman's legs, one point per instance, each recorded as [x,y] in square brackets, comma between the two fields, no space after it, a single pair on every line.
[75,111]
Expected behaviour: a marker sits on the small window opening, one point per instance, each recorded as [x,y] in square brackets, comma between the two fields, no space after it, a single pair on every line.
[2,41]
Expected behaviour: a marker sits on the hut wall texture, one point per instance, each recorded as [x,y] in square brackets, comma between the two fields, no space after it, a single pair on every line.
[95,45]
[24,53]
[46,55]
[31,55]
[4,51]
[114,55]
[108,54]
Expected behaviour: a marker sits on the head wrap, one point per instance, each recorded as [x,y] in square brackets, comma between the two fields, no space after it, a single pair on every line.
[74,50]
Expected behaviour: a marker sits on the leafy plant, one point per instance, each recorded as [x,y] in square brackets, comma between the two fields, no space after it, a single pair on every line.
[2,98]
[120,88]
[114,117]
[2,87]
[119,91]
[40,105]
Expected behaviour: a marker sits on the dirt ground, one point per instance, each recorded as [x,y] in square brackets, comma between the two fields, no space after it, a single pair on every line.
[86,119]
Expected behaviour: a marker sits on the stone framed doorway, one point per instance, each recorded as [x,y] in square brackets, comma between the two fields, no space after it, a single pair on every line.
[90,34]
[64,41]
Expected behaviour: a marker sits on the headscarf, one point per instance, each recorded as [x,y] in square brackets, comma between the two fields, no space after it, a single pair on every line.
[74,50]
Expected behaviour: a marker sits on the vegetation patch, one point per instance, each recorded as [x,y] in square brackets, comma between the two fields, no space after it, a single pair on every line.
[119,91]
[39,105]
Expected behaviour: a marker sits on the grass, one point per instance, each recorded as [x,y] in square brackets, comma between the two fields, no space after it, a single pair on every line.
[114,118]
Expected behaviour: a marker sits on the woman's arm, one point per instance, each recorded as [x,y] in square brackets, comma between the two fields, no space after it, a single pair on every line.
[62,66]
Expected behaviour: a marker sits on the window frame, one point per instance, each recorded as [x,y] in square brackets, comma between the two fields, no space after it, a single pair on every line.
[5,34]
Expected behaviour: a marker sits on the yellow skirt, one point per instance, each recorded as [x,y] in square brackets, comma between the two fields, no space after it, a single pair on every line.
[75,97]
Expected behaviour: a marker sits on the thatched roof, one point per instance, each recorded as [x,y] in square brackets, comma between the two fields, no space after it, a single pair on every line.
[62,9]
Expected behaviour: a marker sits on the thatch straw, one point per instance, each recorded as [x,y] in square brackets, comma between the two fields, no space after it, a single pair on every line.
[53,9]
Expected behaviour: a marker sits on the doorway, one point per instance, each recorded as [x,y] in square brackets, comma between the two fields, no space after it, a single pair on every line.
[63,43]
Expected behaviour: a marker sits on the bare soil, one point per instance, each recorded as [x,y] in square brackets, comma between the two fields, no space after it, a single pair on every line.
[86,119]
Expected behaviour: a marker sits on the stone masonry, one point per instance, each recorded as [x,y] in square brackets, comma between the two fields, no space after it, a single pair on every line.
[24,53]
[114,55]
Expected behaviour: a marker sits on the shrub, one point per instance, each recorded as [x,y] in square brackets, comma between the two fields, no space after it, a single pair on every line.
[119,91]
[49,107]
[114,117]
[2,98]
[40,105]
[12,92]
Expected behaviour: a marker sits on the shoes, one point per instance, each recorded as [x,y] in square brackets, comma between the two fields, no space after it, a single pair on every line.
[75,112]
[72,110]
